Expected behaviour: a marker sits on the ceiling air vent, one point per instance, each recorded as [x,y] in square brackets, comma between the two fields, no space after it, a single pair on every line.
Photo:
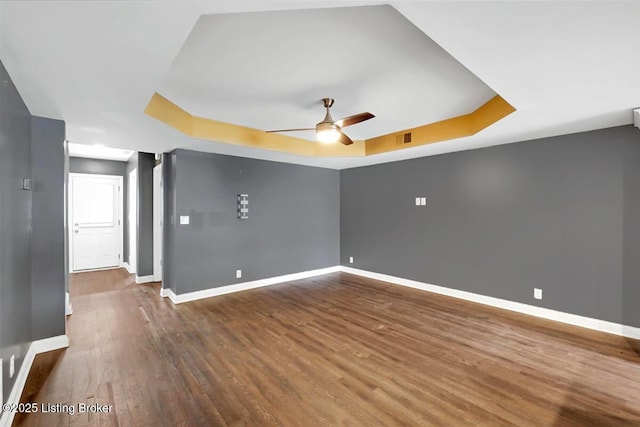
[403,138]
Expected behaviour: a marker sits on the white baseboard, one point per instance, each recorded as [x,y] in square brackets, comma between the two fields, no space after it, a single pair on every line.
[545,313]
[222,290]
[127,267]
[145,279]
[168,293]
[36,347]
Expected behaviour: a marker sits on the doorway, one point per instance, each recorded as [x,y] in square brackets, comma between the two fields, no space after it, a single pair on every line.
[95,221]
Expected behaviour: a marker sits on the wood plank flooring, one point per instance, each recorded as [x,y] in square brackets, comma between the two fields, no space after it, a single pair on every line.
[331,350]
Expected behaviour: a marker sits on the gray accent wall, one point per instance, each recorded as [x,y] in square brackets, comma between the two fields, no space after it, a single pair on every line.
[97,166]
[561,214]
[293,223]
[631,234]
[107,167]
[32,234]
[168,226]
[15,228]
[131,164]
[48,268]
[146,162]
[143,164]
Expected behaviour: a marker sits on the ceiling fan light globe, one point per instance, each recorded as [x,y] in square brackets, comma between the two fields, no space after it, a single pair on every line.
[327,132]
[328,136]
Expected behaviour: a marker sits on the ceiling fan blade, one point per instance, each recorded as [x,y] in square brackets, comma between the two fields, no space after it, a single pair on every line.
[344,139]
[352,120]
[289,130]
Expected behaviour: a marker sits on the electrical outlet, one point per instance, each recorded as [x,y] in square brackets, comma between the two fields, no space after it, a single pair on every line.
[537,293]
[350,260]
[238,274]
[12,365]
[184,219]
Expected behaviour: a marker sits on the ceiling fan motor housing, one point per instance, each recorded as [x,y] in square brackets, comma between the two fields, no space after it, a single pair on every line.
[328,102]
[325,126]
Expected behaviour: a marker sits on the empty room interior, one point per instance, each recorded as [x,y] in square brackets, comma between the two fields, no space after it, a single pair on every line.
[319,213]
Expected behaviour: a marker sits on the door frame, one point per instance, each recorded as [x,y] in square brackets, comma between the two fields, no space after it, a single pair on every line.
[158,221]
[120,214]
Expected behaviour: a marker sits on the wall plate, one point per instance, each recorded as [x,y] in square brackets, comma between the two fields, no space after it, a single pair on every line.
[243,206]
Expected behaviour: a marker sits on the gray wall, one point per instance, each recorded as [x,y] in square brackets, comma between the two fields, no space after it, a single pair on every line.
[631,234]
[48,268]
[97,166]
[169,162]
[146,162]
[15,214]
[131,164]
[502,220]
[107,167]
[293,220]
[33,272]
[143,163]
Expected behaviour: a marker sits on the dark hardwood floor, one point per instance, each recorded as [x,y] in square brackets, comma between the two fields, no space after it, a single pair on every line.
[331,350]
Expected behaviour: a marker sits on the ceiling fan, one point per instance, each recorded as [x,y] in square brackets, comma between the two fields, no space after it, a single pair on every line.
[329,130]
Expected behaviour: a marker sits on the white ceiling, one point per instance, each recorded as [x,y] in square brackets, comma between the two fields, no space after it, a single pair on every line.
[566,67]
[98,152]
[270,70]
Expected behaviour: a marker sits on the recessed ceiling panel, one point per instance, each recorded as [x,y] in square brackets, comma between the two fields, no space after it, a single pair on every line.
[269,70]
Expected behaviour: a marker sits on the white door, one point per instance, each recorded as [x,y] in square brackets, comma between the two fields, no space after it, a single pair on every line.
[157,223]
[96,226]
[133,220]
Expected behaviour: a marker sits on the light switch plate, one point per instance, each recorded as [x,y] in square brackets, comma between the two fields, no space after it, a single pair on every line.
[243,206]
[417,201]
[423,201]
[184,219]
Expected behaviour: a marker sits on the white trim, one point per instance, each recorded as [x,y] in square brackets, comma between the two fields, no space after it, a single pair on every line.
[212,292]
[36,347]
[144,279]
[89,270]
[545,313]
[127,267]
[168,293]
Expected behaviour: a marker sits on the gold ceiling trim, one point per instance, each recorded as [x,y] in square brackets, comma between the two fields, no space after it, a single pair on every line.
[166,111]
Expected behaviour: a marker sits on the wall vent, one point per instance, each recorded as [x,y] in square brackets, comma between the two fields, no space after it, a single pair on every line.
[403,138]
